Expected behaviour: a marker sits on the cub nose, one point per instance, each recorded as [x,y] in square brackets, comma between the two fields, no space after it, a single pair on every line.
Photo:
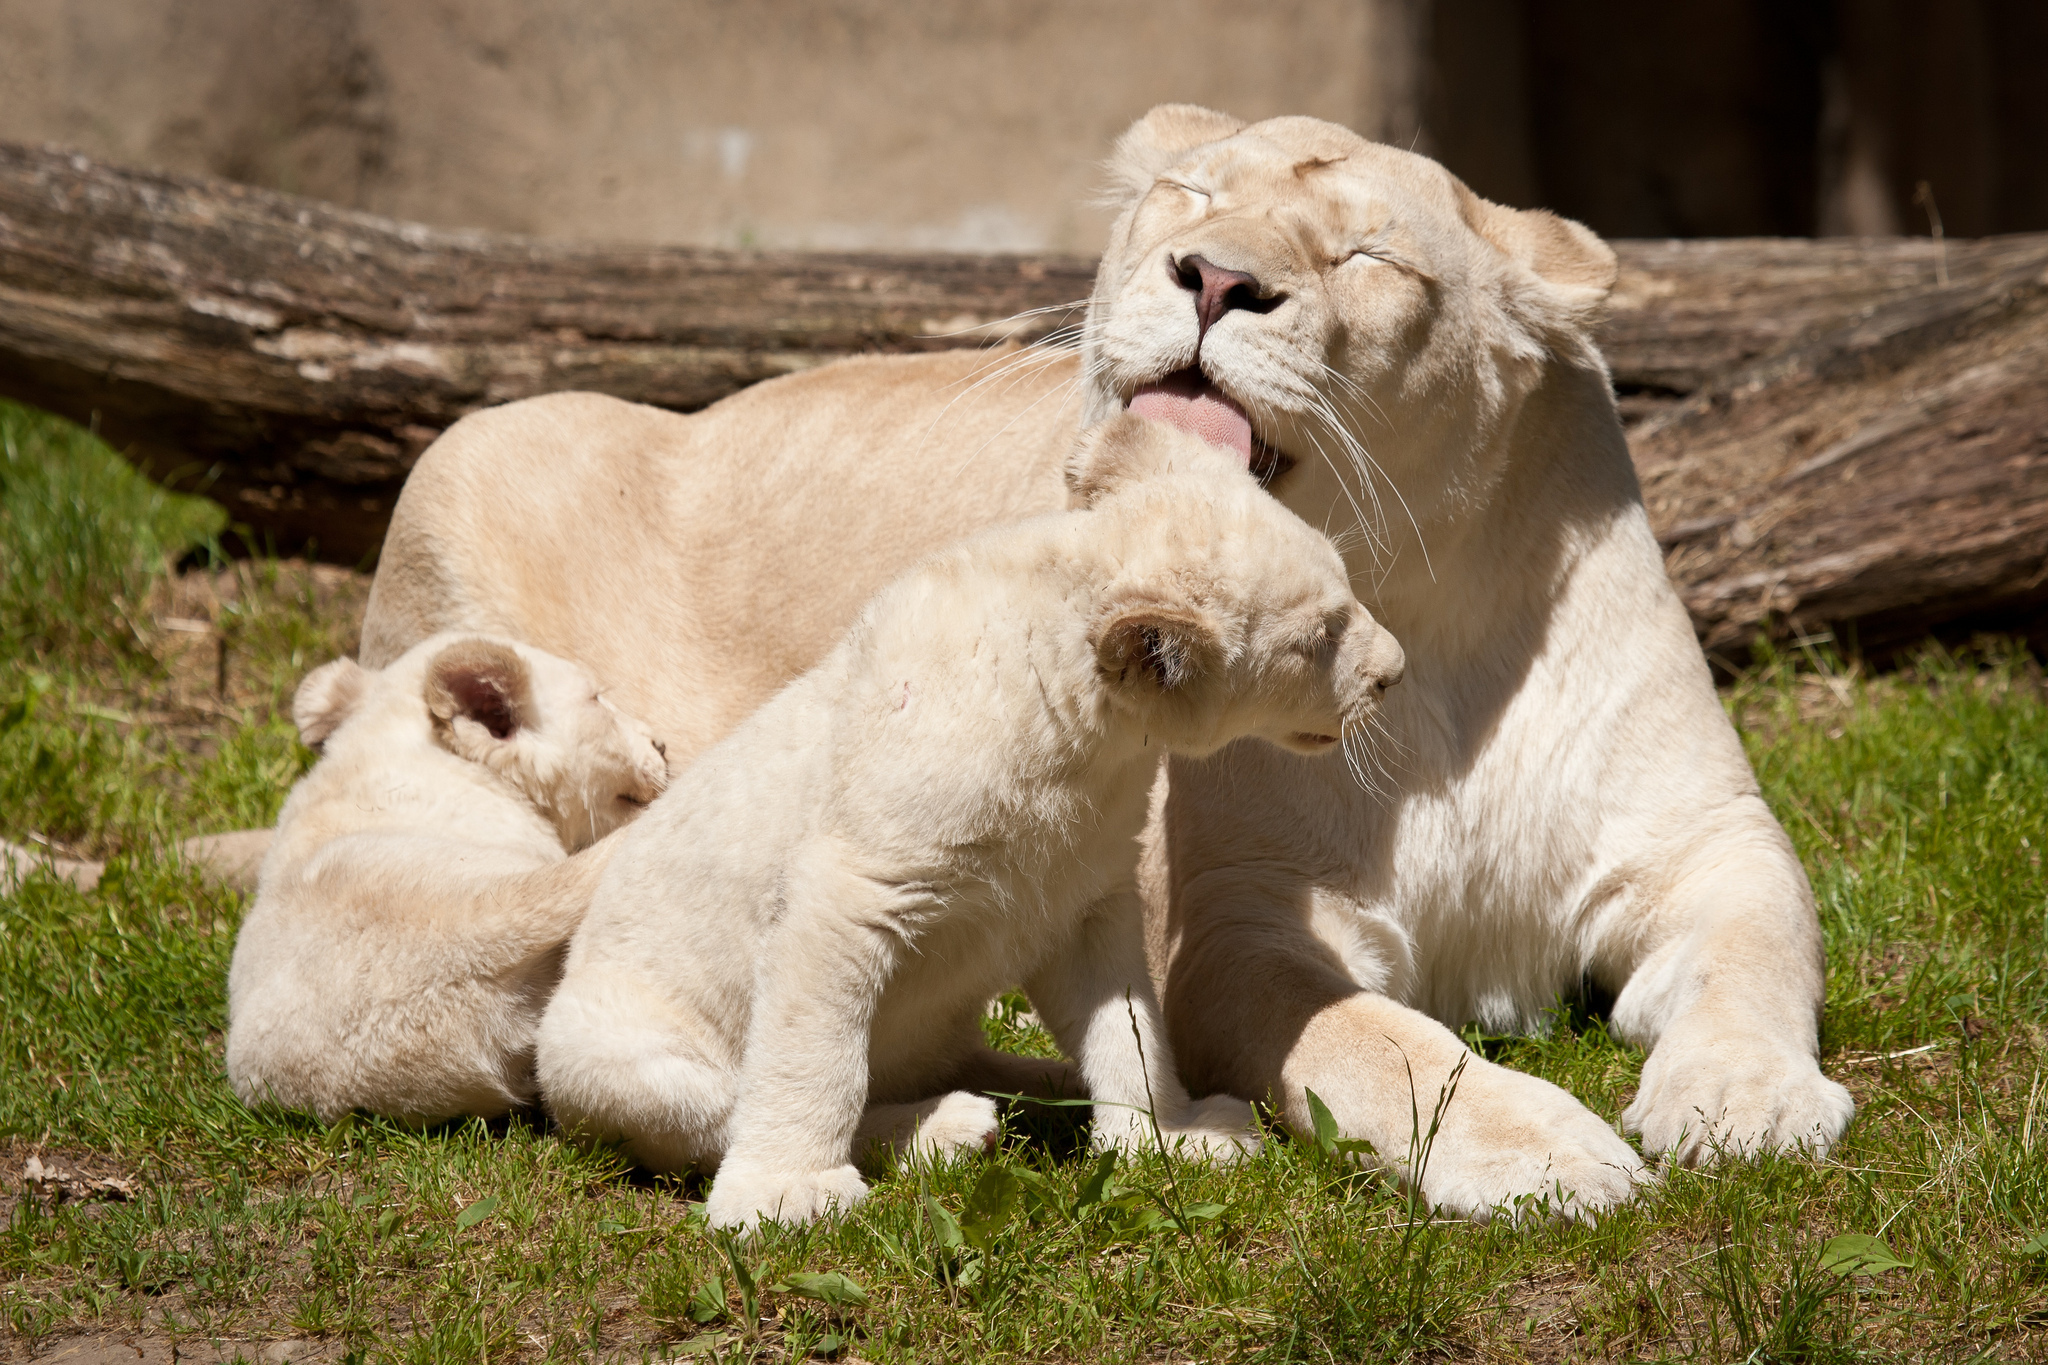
[1385,660]
[1218,291]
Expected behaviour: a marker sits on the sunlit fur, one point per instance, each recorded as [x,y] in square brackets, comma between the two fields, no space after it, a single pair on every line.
[1552,796]
[812,920]
[411,913]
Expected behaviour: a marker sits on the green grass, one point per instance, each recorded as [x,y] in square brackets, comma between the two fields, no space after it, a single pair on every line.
[1919,801]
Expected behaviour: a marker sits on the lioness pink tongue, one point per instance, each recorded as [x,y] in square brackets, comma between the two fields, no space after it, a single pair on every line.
[1187,400]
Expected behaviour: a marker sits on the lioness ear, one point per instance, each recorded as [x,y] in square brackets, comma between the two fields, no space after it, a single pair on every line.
[480,680]
[328,697]
[1158,140]
[1567,256]
[1148,643]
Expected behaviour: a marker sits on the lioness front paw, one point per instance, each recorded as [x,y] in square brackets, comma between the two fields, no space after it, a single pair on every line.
[1515,1146]
[1735,1099]
[746,1199]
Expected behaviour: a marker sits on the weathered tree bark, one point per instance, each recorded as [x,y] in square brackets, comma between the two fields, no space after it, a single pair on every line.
[1886,476]
[1829,432]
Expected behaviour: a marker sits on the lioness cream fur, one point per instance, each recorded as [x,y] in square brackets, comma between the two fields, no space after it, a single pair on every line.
[412,910]
[1562,800]
[816,916]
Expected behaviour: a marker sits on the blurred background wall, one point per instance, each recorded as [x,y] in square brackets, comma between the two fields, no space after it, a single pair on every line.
[979,124]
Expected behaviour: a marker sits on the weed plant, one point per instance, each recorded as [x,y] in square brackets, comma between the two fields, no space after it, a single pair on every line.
[1918,800]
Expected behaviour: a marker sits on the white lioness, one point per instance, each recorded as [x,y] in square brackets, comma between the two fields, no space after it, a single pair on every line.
[1563,800]
[411,914]
[814,918]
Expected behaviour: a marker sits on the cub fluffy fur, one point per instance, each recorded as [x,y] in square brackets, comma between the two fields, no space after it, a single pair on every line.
[1565,800]
[412,910]
[814,919]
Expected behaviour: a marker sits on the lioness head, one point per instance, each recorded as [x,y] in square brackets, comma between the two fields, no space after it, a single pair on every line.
[1350,318]
[538,721]
[1228,616]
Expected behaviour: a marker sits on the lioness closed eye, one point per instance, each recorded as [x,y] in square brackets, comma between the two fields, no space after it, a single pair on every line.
[412,910]
[808,926]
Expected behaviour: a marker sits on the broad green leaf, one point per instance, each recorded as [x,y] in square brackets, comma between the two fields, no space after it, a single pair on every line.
[389,1222]
[1324,1122]
[2037,1245]
[1205,1212]
[476,1213]
[707,1300]
[1859,1253]
[702,1344]
[826,1287]
[1096,1186]
[991,1206]
[944,1226]
[1037,1190]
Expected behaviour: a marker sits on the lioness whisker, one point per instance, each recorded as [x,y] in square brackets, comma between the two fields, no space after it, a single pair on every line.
[1018,316]
[1359,452]
[1028,360]
[1066,387]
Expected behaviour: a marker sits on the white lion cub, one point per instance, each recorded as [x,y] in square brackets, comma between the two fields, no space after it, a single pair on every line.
[813,920]
[412,911]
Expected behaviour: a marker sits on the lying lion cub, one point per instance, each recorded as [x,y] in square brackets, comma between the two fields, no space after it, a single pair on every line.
[814,921]
[412,911]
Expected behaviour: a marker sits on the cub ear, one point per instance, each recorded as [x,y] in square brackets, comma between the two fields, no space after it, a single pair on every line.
[481,680]
[1127,449]
[326,699]
[1164,646]
[1567,256]
[1159,139]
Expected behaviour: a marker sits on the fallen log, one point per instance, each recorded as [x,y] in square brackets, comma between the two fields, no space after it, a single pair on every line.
[1883,477]
[296,357]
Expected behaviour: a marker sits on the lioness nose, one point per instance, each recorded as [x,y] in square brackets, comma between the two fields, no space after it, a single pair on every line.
[1218,291]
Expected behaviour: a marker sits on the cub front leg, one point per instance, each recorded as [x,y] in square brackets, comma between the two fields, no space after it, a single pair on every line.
[804,1075]
[1096,998]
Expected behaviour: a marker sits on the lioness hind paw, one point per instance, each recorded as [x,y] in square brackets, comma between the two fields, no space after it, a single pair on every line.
[748,1199]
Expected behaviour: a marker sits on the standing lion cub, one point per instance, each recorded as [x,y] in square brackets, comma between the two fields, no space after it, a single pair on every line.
[813,920]
[411,913]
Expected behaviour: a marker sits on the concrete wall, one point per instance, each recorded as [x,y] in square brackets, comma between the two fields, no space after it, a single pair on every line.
[976,124]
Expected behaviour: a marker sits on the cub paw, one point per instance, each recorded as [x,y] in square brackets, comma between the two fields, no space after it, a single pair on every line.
[1700,1102]
[1515,1146]
[746,1199]
[958,1122]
